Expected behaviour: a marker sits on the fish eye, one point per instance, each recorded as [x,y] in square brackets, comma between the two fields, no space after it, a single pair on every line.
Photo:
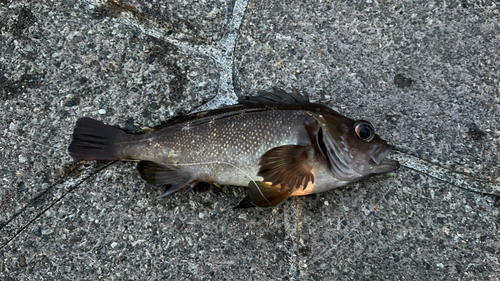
[365,130]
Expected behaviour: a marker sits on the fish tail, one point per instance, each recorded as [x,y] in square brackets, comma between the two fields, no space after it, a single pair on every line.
[94,140]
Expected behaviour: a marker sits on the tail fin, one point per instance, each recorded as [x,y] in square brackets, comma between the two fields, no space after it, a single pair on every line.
[94,140]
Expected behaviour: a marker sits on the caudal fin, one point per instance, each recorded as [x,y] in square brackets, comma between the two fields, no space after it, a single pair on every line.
[94,140]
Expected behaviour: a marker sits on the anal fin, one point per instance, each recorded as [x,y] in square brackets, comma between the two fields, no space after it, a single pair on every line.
[156,173]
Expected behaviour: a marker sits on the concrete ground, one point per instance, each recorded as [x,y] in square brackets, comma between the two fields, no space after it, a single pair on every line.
[426,73]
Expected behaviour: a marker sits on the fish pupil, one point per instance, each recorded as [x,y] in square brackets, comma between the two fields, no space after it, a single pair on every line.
[365,132]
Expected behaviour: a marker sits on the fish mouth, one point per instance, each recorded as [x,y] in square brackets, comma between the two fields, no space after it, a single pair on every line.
[379,157]
[386,166]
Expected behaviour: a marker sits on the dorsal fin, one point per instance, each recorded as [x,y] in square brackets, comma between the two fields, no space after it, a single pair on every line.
[277,96]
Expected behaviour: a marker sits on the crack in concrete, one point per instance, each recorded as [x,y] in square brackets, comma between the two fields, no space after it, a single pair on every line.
[291,217]
[301,259]
[221,53]
[225,61]
[145,19]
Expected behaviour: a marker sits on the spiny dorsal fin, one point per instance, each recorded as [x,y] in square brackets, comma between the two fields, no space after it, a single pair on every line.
[287,166]
[277,96]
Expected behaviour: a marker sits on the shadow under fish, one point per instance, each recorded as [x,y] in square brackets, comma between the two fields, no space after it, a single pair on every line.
[277,144]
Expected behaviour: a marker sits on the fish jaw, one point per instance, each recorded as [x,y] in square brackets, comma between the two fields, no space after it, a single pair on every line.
[385,166]
[378,156]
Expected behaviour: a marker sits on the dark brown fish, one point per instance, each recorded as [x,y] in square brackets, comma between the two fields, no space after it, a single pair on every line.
[277,144]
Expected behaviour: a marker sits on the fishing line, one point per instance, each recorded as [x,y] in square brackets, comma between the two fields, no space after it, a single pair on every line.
[43,195]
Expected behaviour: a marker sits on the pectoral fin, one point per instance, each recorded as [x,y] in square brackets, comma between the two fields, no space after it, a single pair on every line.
[264,195]
[287,166]
[156,173]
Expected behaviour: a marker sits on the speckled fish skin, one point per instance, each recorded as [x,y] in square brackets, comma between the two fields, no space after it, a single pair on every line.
[227,147]
[239,136]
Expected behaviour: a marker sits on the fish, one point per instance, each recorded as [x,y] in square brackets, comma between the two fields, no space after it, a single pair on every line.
[277,144]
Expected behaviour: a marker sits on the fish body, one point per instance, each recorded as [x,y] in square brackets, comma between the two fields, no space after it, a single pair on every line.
[277,144]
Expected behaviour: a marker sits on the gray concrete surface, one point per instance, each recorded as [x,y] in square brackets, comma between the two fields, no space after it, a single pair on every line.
[426,73]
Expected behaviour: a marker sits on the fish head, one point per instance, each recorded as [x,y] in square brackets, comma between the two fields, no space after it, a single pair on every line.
[352,149]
